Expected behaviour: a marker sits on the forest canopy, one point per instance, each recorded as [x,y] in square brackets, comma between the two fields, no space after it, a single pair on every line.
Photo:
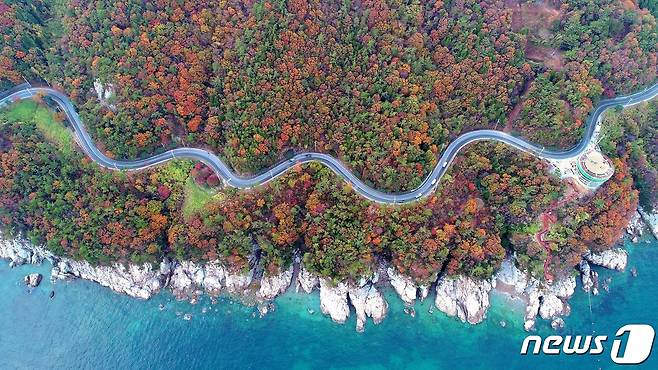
[382,85]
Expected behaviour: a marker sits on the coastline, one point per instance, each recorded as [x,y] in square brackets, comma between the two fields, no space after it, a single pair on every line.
[462,297]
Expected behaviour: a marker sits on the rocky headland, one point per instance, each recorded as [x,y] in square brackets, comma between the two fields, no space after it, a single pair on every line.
[462,297]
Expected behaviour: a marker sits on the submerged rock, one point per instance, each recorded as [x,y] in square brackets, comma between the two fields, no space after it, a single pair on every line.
[614,259]
[464,297]
[557,323]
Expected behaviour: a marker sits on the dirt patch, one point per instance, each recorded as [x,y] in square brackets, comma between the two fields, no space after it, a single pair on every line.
[516,111]
[537,17]
[630,5]
[551,58]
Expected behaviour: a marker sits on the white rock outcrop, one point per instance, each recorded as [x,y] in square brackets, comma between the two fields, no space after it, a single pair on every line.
[551,307]
[333,300]
[136,281]
[237,282]
[19,252]
[586,275]
[306,281]
[464,297]
[548,301]
[423,291]
[186,280]
[511,276]
[368,301]
[104,94]
[635,227]
[189,280]
[403,285]
[33,280]
[214,277]
[651,219]
[564,287]
[614,259]
[273,285]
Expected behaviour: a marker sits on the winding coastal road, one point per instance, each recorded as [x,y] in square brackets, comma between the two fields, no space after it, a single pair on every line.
[25,91]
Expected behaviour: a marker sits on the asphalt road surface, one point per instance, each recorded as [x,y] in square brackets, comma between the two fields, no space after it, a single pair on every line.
[26,91]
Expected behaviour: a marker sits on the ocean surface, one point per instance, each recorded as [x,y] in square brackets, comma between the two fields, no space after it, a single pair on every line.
[87,326]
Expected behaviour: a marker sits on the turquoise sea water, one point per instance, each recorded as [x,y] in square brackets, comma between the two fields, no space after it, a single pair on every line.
[89,327]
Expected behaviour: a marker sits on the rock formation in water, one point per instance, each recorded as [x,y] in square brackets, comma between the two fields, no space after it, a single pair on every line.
[33,280]
[463,297]
[614,259]
[651,219]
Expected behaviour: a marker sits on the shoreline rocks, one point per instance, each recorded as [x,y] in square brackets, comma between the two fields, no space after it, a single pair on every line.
[368,301]
[511,276]
[463,297]
[333,300]
[19,252]
[586,276]
[613,259]
[306,281]
[635,228]
[273,285]
[651,219]
[403,285]
[189,280]
[136,281]
[548,301]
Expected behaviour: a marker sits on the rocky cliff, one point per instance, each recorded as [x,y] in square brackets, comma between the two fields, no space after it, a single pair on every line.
[548,301]
[614,259]
[367,300]
[462,297]
[651,219]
